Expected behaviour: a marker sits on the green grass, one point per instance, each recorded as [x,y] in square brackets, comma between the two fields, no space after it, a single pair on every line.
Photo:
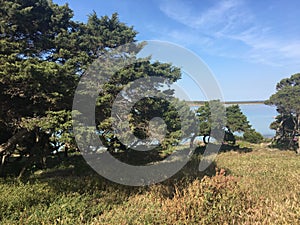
[253,185]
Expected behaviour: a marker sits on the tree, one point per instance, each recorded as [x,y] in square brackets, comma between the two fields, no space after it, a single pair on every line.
[211,117]
[287,101]
[233,121]
[252,136]
[43,54]
[31,82]
[236,120]
[284,126]
[143,111]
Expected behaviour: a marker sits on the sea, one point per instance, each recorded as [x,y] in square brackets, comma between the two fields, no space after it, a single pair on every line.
[260,117]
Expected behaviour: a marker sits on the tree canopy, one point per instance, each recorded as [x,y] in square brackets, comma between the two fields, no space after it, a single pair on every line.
[287,101]
[230,119]
[236,119]
[43,55]
[211,117]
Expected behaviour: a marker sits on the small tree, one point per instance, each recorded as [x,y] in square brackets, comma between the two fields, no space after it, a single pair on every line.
[252,136]
[236,120]
[211,117]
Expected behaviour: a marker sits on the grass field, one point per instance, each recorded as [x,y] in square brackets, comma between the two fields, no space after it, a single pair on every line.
[249,185]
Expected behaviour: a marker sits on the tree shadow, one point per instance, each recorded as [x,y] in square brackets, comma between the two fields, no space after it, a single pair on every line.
[75,175]
[54,165]
[284,145]
[235,148]
[225,148]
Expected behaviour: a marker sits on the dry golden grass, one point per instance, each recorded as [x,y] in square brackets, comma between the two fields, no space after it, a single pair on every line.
[273,179]
[258,187]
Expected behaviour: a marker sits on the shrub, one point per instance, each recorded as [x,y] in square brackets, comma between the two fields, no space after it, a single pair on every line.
[252,136]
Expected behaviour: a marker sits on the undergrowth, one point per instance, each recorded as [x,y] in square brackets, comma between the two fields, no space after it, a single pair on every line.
[260,186]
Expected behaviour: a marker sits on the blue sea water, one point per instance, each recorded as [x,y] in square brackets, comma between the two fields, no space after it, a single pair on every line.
[260,117]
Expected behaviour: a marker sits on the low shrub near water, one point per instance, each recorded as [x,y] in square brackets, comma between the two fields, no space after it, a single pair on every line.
[253,137]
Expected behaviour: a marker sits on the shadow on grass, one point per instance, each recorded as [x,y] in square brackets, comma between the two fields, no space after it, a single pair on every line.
[284,145]
[71,183]
[225,148]
[73,175]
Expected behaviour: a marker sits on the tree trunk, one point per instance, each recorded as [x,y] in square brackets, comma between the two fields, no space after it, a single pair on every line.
[2,165]
[38,153]
[192,140]
[27,164]
[66,150]
[9,146]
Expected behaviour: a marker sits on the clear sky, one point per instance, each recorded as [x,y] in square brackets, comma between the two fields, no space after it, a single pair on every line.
[249,45]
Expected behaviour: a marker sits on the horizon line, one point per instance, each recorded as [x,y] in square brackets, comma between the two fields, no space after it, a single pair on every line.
[238,102]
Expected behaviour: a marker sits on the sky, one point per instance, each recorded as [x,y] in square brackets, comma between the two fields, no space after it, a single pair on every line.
[248,45]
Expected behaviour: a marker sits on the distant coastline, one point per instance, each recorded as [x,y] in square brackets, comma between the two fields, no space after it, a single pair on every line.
[254,102]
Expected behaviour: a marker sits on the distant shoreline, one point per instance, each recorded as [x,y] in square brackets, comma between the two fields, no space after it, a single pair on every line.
[256,102]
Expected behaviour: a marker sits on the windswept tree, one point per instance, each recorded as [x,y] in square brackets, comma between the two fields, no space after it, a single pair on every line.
[36,73]
[238,122]
[43,55]
[284,127]
[287,101]
[232,121]
[140,116]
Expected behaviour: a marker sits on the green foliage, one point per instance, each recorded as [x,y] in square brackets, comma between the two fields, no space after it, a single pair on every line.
[211,118]
[56,123]
[230,119]
[143,111]
[43,54]
[284,125]
[252,136]
[39,73]
[236,120]
[287,101]
[203,113]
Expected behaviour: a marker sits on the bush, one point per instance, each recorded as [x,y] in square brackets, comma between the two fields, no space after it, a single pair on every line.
[253,137]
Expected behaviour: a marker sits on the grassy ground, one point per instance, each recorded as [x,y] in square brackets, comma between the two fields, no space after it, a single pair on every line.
[248,185]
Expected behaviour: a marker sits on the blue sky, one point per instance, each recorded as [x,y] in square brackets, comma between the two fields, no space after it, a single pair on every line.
[249,45]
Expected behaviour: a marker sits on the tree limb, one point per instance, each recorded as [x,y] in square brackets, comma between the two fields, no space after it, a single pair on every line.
[10,145]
